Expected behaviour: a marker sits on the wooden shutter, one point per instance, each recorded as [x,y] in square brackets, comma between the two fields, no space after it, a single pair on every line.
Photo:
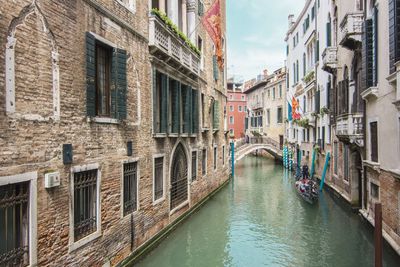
[215,67]
[375,47]
[186,99]
[90,75]
[113,84]
[155,102]
[328,34]
[164,104]
[394,35]
[317,51]
[374,141]
[122,84]
[175,107]
[367,55]
[195,112]
[216,115]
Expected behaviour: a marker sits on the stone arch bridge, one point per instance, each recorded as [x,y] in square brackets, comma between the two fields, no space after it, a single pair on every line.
[258,144]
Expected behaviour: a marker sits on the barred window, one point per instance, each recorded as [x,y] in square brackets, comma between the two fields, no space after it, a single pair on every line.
[14,224]
[85,203]
[204,162]
[130,187]
[158,178]
[194,165]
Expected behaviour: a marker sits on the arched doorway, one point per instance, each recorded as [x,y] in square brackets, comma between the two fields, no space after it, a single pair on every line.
[179,177]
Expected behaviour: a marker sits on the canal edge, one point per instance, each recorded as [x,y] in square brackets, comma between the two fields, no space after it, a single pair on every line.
[148,246]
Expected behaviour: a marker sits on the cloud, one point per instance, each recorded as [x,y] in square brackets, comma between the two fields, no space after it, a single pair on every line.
[256,32]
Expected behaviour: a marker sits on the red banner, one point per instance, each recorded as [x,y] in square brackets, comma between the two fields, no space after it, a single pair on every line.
[295,107]
[212,22]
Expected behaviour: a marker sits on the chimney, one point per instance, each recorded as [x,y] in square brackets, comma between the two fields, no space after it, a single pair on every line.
[265,72]
[291,20]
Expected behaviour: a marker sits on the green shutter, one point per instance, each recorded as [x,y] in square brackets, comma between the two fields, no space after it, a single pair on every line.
[164,104]
[375,47]
[328,34]
[175,107]
[195,112]
[317,51]
[215,67]
[122,84]
[216,115]
[185,90]
[367,52]
[113,84]
[155,106]
[90,75]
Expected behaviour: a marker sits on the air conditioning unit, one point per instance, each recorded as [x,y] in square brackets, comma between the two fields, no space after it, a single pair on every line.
[51,179]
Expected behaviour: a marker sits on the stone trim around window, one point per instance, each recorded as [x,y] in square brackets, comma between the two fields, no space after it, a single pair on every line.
[72,244]
[131,160]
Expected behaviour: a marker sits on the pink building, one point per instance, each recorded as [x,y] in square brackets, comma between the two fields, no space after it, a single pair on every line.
[236,110]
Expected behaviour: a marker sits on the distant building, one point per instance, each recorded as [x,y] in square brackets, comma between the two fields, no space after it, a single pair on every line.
[236,110]
[266,101]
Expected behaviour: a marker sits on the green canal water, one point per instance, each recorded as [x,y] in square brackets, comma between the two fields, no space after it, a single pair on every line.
[259,220]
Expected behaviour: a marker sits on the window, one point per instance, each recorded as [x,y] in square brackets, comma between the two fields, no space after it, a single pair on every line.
[240,108]
[194,165]
[231,120]
[160,105]
[394,36]
[268,117]
[304,135]
[204,162]
[130,4]
[103,62]
[85,203]
[158,179]
[280,91]
[245,108]
[203,111]
[230,97]
[130,188]
[335,161]
[374,141]
[223,155]
[200,8]
[155,4]
[304,104]
[279,115]
[215,113]
[243,98]
[268,93]
[370,50]
[304,65]
[200,47]
[374,191]
[14,224]
[273,93]
[308,134]
[231,108]
[231,131]
[346,170]
[215,158]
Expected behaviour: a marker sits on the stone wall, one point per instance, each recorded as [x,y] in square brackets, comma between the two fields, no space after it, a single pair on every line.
[50,110]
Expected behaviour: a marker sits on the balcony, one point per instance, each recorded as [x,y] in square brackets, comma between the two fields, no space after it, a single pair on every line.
[329,59]
[257,105]
[351,30]
[349,127]
[168,47]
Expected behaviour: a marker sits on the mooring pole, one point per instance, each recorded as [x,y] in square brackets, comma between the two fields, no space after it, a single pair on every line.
[312,164]
[233,158]
[378,235]
[328,157]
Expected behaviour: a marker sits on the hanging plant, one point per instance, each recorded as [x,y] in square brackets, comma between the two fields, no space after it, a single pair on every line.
[317,149]
[305,123]
[314,114]
[324,110]
[309,77]
[175,29]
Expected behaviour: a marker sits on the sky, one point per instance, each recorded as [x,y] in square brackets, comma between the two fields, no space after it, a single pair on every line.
[256,34]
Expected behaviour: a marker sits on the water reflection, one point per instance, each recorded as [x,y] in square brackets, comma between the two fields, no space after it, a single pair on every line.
[260,221]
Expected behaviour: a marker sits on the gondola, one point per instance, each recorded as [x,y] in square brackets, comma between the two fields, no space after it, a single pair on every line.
[307,189]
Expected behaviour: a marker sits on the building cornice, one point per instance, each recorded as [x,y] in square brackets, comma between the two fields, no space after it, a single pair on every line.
[299,18]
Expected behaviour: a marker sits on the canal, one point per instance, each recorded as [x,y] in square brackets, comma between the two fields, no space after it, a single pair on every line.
[258,220]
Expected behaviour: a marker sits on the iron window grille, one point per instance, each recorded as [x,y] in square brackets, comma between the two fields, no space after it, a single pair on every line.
[130,187]
[14,226]
[179,178]
[158,178]
[194,165]
[85,203]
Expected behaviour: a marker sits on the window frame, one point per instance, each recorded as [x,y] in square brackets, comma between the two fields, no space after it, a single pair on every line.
[73,245]
[30,177]
[196,151]
[204,168]
[157,156]
[223,155]
[132,160]
[215,158]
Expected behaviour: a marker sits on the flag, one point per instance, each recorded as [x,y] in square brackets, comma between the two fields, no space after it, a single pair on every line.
[295,107]
[212,23]
[290,117]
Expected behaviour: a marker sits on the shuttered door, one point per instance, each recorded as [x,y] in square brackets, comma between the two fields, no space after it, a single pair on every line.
[175,106]
[195,112]
[90,75]
[216,115]
[164,104]
[215,67]
[374,141]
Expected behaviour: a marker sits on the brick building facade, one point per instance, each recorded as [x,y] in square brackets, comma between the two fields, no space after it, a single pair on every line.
[99,154]
[236,110]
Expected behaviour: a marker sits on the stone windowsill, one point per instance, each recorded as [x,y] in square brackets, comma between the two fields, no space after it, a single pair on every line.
[159,135]
[376,166]
[370,93]
[103,120]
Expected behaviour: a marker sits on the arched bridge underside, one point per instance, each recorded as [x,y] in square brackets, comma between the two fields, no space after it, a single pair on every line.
[276,153]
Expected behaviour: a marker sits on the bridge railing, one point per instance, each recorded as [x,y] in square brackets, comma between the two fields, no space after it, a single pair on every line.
[264,140]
